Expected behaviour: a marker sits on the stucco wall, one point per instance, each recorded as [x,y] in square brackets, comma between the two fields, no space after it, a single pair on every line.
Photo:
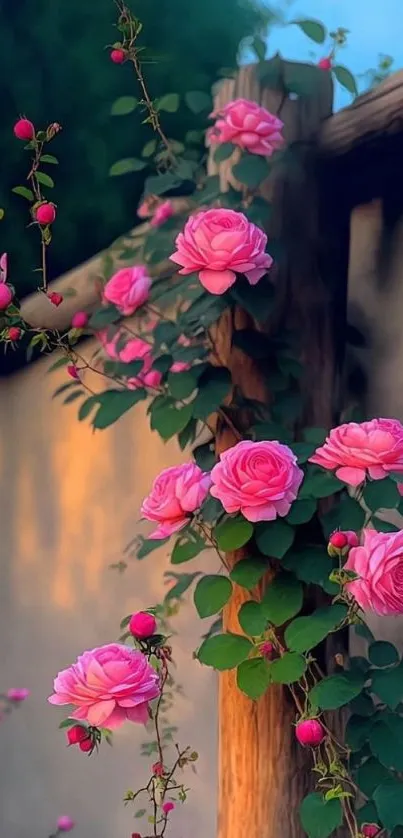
[69,504]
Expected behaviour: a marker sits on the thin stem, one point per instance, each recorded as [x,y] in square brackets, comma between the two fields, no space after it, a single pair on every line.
[153,114]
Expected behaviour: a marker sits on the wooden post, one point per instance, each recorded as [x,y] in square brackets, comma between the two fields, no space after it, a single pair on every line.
[262,774]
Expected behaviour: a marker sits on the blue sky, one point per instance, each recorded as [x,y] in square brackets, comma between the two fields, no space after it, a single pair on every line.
[374,26]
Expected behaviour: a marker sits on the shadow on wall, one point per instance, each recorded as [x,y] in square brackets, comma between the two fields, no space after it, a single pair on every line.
[70,502]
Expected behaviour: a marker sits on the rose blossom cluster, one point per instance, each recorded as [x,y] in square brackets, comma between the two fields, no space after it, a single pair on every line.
[135,349]
[218,244]
[248,126]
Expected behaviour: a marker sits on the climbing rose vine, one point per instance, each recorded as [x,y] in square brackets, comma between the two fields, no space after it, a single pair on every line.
[297,515]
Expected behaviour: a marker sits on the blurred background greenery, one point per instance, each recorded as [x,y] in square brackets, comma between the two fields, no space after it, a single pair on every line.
[56,67]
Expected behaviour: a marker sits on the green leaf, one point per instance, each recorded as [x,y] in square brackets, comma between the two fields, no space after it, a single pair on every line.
[126,165]
[183,583]
[258,305]
[259,47]
[335,691]
[168,420]
[181,384]
[287,669]
[316,435]
[49,158]
[370,775]
[187,547]
[24,192]
[211,594]
[149,149]
[383,654]
[248,572]
[198,101]
[224,651]
[44,179]
[61,362]
[205,458]
[358,730]
[386,742]
[363,704]
[113,404]
[214,386]
[350,514]
[124,105]
[253,677]
[314,29]
[251,170]
[105,316]
[274,538]
[368,814]
[72,397]
[311,564]
[320,817]
[388,799]
[86,408]
[223,152]
[252,618]
[158,184]
[381,494]
[345,78]
[282,599]
[301,511]
[305,633]
[233,533]
[319,484]
[148,545]
[387,684]
[168,103]
[270,430]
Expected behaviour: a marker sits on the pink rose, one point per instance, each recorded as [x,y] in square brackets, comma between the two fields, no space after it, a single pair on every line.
[248,126]
[162,213]
[219,243]
[108,685]
[379,564]
[128,289]
[180,366]
[3,267]
[175,495]
[17,694]
[134,349]
[147,206]
[259,479]
[356,451]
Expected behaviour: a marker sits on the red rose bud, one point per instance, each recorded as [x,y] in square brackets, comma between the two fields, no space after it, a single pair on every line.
[24,130]
[73,372]
[76,734]
[6,295]
[79,320]
[118,56]
[338,540]
[267,650]
[45,214]
[142,625]
[136,835]
[310,732]
[14,333]
[167,807]
[369,830]
[158,769]
[55,298]
[86,745]
[325,64]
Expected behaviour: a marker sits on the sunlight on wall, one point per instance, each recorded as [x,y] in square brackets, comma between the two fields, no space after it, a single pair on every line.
[70,503]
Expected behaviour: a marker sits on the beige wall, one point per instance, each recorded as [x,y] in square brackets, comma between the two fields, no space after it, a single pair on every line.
[69,504]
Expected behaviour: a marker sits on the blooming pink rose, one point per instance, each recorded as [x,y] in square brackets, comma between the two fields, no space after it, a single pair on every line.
[259,479]
[356,451]
[379,564]
[134,349]
[108,685]
[219,243]
[175,494]
[248,126]
[128,289]
[162,213]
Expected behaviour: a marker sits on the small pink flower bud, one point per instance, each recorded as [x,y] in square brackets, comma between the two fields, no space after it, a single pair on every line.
[45,214]
[65,823]
[369,830]
[73,372]
[86,745]
[24,129]
[6,295]
[17,694]
[310,732]
[167,807]
[79,320]
[338,540]
[142,625]
[325,63]
[76,734]
[55,298]
[267,650]
[158,769]
[118,56]
[14,333]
